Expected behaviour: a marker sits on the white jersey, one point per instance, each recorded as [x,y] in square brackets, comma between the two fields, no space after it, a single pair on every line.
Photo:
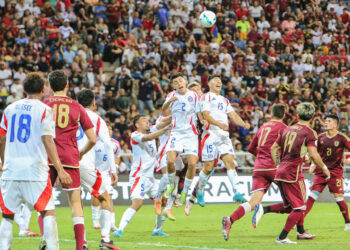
[24,123]
[184,112]
[102,134]
[143,156]
[163,139]
[219,108]
[101,155]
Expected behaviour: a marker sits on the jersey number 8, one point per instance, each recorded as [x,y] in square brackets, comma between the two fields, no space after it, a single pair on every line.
[23,131]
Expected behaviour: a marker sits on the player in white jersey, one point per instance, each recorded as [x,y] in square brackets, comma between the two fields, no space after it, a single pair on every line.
[91,178]
[27,129]
[103,167]
[183,139]
[216,142]
[142,179]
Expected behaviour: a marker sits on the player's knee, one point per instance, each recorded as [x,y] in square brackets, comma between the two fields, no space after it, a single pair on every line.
[136,204]
[314,194]
[338,197]
[48,213]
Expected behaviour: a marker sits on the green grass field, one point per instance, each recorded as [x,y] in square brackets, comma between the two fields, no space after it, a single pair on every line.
[202,230]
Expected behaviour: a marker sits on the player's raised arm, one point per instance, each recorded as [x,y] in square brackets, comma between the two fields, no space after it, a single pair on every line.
[275,153]
[155,135]
[316,158]
[238,120]
[165,122]
[170,99]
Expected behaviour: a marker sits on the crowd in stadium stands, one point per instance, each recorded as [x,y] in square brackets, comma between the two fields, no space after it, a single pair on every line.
[126,50]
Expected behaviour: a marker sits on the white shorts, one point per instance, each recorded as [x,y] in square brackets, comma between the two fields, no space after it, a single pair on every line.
[107,181]
[141,186]
[91,180]
[213,146]
[163,163]
[37,194]
[185,144]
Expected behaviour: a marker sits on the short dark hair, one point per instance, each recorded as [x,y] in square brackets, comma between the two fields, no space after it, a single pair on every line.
[86,97]
[136,118]
[213,76]
[173,77]
[58,80]
[334,117]
[278,111]
[33,83]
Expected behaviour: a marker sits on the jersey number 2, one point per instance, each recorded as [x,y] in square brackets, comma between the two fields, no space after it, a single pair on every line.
[23,131]
[62,115]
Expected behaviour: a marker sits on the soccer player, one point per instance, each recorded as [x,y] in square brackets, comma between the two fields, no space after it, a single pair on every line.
[27,129]
[288,153]
[264,167]
[184,105]
[216,141]
[331,145]
[142,180]
[103,168]
[90,176]
[69,115]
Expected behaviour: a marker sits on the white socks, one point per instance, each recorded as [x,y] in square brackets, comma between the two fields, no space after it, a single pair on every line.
[203,178]
[162,186]
[105,224]
[159,221]
[247,207]
[232,176]
[113,227]
[127,216]
[51,232]
[95,215]
[6,233]
[187,185]
[170,202]
[171,179]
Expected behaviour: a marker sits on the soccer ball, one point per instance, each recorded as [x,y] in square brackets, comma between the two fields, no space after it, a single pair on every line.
[207,18]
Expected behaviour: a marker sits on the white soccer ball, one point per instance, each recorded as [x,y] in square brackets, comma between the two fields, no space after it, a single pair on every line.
[207,18]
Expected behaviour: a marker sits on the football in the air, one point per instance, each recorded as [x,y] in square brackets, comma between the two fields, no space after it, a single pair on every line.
[207,18]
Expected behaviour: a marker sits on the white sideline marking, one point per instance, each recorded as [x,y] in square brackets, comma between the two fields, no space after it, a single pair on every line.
[176,246]
[38,239]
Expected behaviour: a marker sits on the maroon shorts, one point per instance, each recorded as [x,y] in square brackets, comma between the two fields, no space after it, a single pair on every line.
[335,185]
[293,194]
[262,180]
[74,174]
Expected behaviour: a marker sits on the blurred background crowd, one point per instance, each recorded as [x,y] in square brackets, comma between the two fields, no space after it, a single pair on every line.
[266,52]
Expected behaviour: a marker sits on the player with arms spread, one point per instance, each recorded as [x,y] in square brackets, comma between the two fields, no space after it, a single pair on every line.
[27,130]
[183,139]
[264,167]
[142,181]
[91,178]
[288,153]
[69,115]
[330,146]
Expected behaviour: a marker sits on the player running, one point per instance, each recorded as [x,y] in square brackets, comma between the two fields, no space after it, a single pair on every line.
[288,153]
[331,145]
[142,179]
[216,142]
[69,115]
[183,139]
[103,168]
[90,176]
[264,167]
[27,130]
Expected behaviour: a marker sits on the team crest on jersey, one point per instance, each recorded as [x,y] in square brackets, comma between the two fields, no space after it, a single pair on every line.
[321,142]
[214,98]
[190,99]
[336,143]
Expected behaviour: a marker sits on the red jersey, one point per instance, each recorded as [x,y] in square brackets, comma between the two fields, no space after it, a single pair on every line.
[331,150]
[294,142]
[261,145]
[68,115]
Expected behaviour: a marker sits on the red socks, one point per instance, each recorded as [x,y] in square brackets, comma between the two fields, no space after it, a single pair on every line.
[41,224]
[278,208]
[310,202]
[239,213]
[79,236]
[294,218]
[344,210]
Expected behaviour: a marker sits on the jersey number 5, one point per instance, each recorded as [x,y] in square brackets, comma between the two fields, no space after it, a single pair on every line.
[23,131]
[62,117]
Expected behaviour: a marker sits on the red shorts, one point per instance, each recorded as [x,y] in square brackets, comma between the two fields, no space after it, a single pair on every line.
[74,174]
[262,180]
[293,194]
[335,185]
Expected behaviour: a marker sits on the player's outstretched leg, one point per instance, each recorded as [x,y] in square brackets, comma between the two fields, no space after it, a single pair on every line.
[159,222]
[50,229]
[161,188]
[191,171]
[167,210]
[343,209]
[95,210]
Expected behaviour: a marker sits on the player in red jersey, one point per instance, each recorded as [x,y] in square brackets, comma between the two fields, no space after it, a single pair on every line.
[69,114]
[288,153]
[330,146]
[264,167]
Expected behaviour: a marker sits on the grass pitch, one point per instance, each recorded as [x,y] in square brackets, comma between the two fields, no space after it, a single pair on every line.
[202,230]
